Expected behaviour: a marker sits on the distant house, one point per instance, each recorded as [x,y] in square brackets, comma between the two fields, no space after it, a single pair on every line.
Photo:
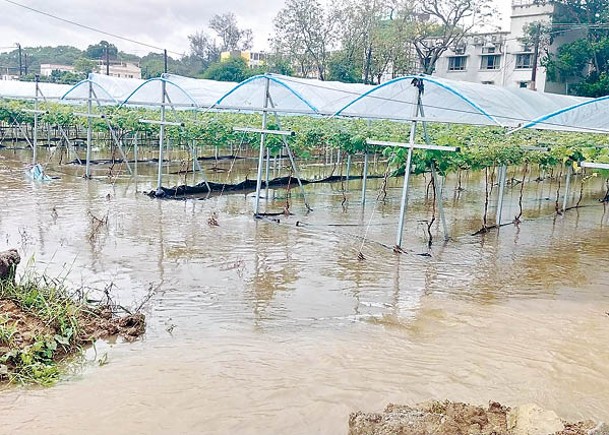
[123,70]
[46,69]
[253,59]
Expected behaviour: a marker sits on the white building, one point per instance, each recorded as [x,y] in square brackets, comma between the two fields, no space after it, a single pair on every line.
[501,58]
[123,70]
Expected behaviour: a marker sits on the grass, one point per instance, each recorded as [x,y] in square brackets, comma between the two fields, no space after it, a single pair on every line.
[41,328]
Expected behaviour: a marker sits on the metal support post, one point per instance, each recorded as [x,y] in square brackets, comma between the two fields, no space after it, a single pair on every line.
[365,178]
[262,147]
[135,156]
[89,130]
[35,138]
[161,135]
[404,204]
[502,177]
[267,174]
[567,188]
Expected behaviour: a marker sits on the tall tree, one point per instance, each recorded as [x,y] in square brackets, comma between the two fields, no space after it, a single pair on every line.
[305,32]
[98,51]
[375,37]
[206,50]
[231,36]
[203,49]
[440,24]
[585,60]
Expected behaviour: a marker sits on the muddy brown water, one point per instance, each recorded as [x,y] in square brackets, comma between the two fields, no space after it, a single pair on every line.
[264,327]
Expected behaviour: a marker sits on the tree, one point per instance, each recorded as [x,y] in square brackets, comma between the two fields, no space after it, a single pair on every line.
[376,36]
[34,56]
[85,66]
[440,24]
[153,65]
[203,50]
[342,68]
[585,60]
[231,36]
[65,77]
[305,32]
[232,70]
[278,64]
[98,51]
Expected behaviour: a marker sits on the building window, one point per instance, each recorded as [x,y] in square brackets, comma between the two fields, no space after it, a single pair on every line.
[488,82]
[523,85]
[457,63]
[490,62]
[524,61]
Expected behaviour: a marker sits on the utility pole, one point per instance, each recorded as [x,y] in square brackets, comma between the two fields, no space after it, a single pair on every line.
[20,60]
[107,59]
[25,63]
[533,86]
[165,58]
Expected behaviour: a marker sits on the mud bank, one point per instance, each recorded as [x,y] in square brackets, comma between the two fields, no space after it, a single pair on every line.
[453,418]
[37,333]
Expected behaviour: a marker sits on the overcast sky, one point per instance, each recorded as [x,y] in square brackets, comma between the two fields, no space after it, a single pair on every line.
[161,23]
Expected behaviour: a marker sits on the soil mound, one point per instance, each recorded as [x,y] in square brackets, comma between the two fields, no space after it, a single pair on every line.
[453,418]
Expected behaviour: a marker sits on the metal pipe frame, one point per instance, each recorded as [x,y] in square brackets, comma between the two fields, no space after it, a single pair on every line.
[415,146]
[264,130]
[162,122]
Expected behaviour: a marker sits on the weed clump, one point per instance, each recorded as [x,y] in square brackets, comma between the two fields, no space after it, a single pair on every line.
[42,324]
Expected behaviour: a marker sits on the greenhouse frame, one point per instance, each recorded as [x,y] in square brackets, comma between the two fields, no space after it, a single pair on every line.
[413,98]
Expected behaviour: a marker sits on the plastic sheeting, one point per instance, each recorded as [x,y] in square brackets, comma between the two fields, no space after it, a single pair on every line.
[456,102]
[291,95]
[106,89]
[27,90]
[588,116]
[443,100]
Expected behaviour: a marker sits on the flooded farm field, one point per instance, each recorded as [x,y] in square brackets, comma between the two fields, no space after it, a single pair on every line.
[279,326]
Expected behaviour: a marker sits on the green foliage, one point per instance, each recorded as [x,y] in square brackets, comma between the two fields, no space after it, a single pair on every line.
[32,57]
[342,69]
[584,61]
[233,69]
[481,147]
[278,64]
[85,66]
[98,51]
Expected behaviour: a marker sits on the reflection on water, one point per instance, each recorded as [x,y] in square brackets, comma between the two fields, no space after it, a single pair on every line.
[279,328]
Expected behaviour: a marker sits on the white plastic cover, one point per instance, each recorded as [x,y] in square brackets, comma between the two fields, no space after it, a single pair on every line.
[106,89]
[204,92]
[443,100]
[27,90]
[291,95]
[588,116]
[456,102]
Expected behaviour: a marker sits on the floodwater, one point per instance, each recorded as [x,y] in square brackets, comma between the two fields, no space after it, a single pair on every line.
[262,327]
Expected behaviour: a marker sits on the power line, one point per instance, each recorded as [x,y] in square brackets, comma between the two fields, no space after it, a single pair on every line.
[93,29]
